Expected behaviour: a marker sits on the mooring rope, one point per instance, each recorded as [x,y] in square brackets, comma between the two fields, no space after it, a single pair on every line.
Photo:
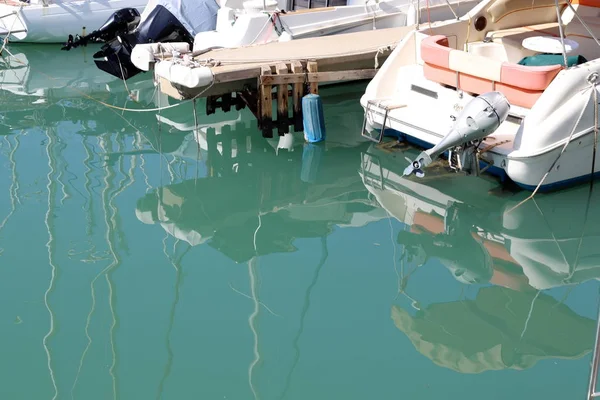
[593,79]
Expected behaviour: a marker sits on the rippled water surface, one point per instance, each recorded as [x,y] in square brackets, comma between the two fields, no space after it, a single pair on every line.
[143,258]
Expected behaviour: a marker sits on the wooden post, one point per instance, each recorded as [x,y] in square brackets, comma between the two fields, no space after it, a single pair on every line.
[226,146]
[266,106]
[212,151]
[282,102]
[311,66]
[211,104]
[297,92]
[226,102]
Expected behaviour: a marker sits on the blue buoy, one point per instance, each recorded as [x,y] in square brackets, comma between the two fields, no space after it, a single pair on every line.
[311,162]
[313,118]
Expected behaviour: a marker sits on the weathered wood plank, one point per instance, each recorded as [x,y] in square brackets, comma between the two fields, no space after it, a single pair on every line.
[282,101]
[297,93]
[266,105]
[311,66]
[329,76]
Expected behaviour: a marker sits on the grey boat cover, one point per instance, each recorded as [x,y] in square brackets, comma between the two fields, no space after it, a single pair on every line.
[195,15]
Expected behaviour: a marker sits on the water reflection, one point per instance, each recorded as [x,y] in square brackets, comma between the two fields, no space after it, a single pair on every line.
[284,187]
[145,257]
[473,228]
[501,328]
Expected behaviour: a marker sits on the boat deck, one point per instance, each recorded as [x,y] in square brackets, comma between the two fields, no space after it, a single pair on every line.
[233,69]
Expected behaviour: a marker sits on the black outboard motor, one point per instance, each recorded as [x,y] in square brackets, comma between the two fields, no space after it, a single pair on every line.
[123,21]
[123,30]
[160,26]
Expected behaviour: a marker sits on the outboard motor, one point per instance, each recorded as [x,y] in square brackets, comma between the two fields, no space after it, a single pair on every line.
[480,118]
[160,26]
[121,22]
[456,248]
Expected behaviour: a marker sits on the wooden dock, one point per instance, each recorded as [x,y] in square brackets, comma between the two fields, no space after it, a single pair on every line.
[253,76]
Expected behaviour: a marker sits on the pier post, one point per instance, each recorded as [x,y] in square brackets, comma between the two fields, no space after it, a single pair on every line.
[266,105]
[297,93]
[311,66]
[282,102]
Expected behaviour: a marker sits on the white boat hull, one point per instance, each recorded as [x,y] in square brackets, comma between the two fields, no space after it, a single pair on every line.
[36,23]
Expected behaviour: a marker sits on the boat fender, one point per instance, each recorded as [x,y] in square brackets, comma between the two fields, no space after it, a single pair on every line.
[313,118]
[142,55]
[188,76]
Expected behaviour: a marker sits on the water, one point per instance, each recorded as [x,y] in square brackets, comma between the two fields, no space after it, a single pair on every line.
[141,262]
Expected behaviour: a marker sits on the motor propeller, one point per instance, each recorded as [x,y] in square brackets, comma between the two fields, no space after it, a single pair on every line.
[480,118]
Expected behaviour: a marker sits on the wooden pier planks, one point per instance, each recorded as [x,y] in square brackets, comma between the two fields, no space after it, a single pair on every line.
[344,56]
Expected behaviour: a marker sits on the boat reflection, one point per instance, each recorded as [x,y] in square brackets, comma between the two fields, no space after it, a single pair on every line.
[296,190]
[483,236]
[543,243]
[500,329]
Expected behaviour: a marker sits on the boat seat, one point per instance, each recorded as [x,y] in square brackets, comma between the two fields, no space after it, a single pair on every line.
[522,85]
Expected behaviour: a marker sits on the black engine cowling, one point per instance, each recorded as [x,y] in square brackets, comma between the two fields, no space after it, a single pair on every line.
[123,30]
[121,22]
[160,26]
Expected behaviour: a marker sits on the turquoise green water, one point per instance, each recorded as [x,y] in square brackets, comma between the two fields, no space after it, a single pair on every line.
[141,261]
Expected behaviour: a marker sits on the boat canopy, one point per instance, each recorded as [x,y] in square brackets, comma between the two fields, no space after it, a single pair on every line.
[195,15]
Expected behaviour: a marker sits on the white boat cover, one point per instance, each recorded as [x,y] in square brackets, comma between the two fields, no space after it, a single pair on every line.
[195,15]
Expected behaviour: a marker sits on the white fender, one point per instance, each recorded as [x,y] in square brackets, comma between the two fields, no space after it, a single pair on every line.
[143,55]
[184,75]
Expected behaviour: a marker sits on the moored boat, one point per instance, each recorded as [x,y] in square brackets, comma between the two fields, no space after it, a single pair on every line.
[543,58]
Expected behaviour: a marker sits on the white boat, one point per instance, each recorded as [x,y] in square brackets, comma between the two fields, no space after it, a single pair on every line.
[503,46]
[52,21]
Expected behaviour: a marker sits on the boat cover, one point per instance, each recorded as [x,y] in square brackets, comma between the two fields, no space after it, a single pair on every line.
[551,59]
[195,15]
